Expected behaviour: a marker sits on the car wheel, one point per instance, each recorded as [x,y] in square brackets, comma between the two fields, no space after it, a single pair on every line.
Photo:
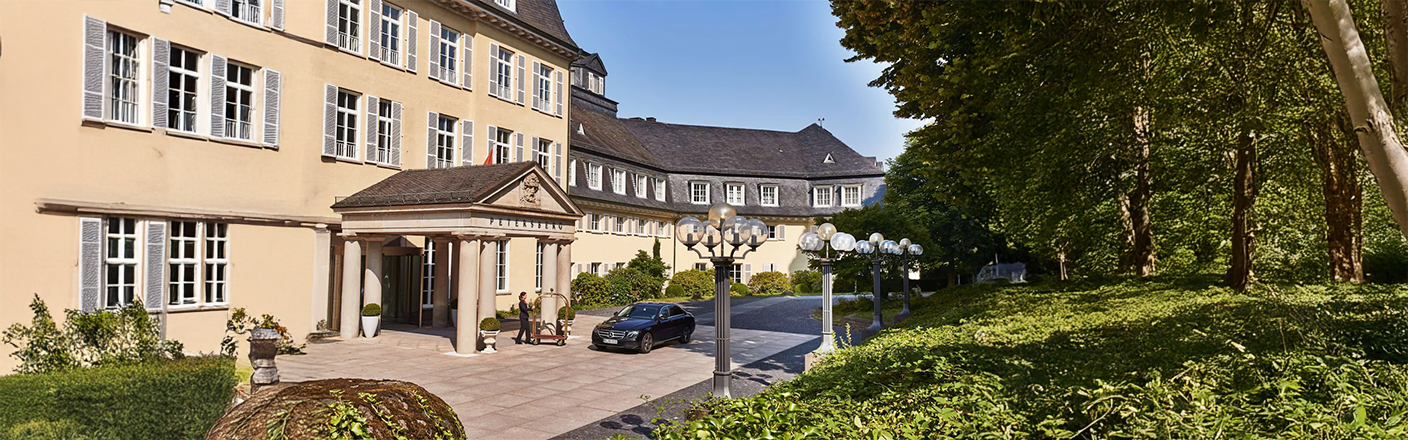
[647,342]
[684,339]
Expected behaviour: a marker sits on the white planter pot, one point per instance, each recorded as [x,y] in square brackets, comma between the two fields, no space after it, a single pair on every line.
[490,338]
[455,317]
[567,327]
[370,324]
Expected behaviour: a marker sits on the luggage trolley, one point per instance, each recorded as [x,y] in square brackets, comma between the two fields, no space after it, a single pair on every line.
[536,334]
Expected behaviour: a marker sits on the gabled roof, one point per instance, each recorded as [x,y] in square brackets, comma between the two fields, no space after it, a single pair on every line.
[591,62]
[468,184]
[542,15]
[724,150]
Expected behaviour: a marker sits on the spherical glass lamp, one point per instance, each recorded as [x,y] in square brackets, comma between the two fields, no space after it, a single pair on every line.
[690,231]
[810,241]
[915,249]
[757,232]
[720,212]
[904,243]
[864,247]
[843,242]
[712,237]
[890,247]
[875,239]
[735,230]
[826,231]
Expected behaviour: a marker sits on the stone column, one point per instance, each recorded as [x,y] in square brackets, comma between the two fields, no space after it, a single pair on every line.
[440,290]
[488,281]
[550,303]
[453,250]
[371,285]
[467,335]
[322,265]
[351,287]
[564,271]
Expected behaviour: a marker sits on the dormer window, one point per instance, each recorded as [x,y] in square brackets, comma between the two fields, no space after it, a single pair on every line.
[850,195]
[618,181]
[828,159]
[594,176]
[640,186]
[821,196]
[699,193]
[507,4]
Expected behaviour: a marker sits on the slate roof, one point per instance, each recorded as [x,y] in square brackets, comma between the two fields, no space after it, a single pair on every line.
[743,151]
[467,184]
[539,14]
[591,62]
[607,135]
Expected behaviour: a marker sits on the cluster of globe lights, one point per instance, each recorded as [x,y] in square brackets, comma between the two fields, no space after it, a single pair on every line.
[723,226]
[826,233]
[878,245]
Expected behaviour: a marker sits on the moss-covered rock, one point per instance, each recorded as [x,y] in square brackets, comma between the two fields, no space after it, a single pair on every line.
[340,408]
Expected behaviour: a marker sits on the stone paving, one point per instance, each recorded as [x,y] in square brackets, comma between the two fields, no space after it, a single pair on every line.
[524,391]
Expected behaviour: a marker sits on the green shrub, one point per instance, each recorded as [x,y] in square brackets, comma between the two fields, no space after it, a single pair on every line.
[160,399]
[45,430]
[849,306]
[490,324]
[371,310]
[629,285]
[129,335]
[698,284]
[768,283]
[673,291]
[589,289]
[649,265]
[241,323]
[739,289]
[807,281]
[566,314]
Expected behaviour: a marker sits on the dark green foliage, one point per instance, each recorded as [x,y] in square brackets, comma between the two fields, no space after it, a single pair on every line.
[673,291]
[739,289]
[849,306]
[371,310]
[889,221]
[589,289]
[42,347]
[161,399]
[117,337]
[489,324]
[769,283]
[241,322]
[698,284]
[628,285]
[45,430]
[566,313]
[648,265]
[806,281]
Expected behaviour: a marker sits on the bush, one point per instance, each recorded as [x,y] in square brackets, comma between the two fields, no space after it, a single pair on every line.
[697,284]
[159,399]
[674,291]
[371,310]
[241,323]
[566,314]
[490,324]
[45,430]
[849,306]
[589,289]
[129,335]
[630,285]
[768,283]
[739,289]
[806,281]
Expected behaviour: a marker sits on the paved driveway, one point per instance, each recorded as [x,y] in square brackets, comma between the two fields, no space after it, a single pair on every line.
[530,392]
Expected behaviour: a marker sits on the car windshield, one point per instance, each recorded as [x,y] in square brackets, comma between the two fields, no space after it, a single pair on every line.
[639,311]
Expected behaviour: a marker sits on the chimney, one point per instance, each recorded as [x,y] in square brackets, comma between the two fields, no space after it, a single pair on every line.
[650,118]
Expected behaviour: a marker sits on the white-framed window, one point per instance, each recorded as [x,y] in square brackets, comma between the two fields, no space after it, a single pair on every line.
[699,193]
[198,255]
[449,48]
[572,172]
[501,145]
[660,189]
[594,176]
[120,262]
[503,73]
[182,85]
[247,11]
[217,261]
[597,223]
[346,129]
[736,272]
[196,3]
[618,181]
[542,153]
[772,232]
[767,195]
[542,82]
[821,196]
[501,266]
[641,183]
[384,122]
[510,4]
[616,224]
[124,77]
[239,101]
[640,227]
[427,274]
[701,266]
[734,194]
[596,269]
[444,143]
[349,25]
[538,271]
[850,195]
[390,34]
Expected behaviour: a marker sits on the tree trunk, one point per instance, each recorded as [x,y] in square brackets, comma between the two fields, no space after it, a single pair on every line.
[1142,253]
[1396,39]
[1339,176]
[1239,273]
[1373,123]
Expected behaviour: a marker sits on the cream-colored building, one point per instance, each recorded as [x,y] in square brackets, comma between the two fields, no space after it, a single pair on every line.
[302,158]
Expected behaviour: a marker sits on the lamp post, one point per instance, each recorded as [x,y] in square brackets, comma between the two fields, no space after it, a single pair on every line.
[876,248]
[724,229]
[819,245]
[907,253]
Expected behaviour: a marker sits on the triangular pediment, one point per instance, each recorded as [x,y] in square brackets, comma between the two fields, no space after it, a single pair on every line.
[532,190]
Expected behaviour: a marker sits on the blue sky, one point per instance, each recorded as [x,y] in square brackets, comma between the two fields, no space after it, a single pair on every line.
[775,65]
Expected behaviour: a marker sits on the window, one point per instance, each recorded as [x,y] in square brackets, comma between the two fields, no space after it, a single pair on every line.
[239,101]
[701,266]
[542,82]
[507,4]
[597,224]
[390,34]
[641,186]
[640,227]
[187,267]
[767,195]
[572,172]
[120,262]
[346,129]
[501,266]
[734,193]
[501,145]
[616,224]
[594,176]
[383,131]
[542,153]
[596,269]
[349,20]
[503,73]
[246,11]
[772,232]
[538,274]
[124,71]
[660,189]
[821,196]
[181,98]
[618,181]
[449,46]
[427,275]
[736,272]
[699,193]
[850,195]
[444,143]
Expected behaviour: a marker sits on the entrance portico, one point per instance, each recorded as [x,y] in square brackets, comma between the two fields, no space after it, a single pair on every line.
[471,213]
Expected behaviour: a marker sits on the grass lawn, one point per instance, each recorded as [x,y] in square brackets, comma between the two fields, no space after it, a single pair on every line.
[1163,358]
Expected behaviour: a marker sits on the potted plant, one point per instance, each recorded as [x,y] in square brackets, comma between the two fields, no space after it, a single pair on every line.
[371,319]
[455,311]
[489,330]
[264,336]
[565,315]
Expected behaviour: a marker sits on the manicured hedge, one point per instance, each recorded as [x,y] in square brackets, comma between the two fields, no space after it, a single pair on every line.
[176,399]
[695,283]
[769,283]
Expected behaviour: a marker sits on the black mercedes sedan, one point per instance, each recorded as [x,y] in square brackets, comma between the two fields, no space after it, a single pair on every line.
[640,326]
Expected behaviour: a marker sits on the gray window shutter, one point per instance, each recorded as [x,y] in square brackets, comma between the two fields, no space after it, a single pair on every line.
[412,18]
[273,85]
[467,142]
[537,100]
[217,95]
[467,41]
[434,122]
[95,35]
[90,262]
[493,72]
[373,27]
[521,77]
[330,36]
[747,272]
[155,263]
[276,14]
[493,137]
[519,143]
[223,7]
[372,125]
[781,232]
[161,59]
[435,72]
[557,92]
[395,134]
[557,160]
[532,150]
[329,120]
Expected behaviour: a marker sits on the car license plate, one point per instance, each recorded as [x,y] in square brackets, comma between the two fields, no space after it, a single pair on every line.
[610,341]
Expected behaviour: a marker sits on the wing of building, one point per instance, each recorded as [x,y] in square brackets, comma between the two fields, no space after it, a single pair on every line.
[303,158]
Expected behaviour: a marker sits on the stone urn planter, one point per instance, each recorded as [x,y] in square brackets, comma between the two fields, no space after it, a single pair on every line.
[263,346]
[565,316]
[489,332]
[371,320]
